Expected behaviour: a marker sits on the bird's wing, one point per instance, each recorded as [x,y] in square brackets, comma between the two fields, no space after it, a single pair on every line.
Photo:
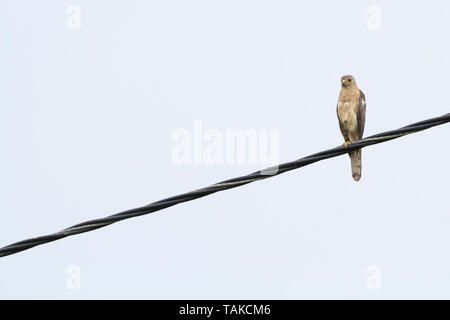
[341,126]
[361,113]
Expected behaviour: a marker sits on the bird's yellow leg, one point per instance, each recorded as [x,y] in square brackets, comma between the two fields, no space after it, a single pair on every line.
[346,143]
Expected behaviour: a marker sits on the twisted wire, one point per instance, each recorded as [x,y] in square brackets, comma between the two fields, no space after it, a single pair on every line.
[224,185]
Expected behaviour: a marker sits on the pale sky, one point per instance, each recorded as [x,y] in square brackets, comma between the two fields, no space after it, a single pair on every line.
[89,105]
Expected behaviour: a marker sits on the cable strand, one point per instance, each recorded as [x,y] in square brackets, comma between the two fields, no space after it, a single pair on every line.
[224,185]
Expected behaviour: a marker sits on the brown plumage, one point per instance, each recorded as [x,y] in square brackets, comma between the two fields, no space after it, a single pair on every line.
[351,112]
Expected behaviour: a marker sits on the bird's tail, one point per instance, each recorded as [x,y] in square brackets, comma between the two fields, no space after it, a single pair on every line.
[355,157]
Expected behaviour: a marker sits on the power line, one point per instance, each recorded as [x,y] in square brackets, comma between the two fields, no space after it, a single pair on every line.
[224,185]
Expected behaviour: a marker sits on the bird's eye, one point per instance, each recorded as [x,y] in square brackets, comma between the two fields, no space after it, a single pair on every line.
[349,80]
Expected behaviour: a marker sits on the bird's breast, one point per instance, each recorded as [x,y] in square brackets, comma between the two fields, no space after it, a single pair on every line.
[347,115]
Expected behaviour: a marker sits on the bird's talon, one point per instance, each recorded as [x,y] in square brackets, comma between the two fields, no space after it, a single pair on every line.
[346,143]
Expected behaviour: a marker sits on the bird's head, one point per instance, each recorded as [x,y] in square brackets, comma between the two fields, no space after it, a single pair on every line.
[348,81]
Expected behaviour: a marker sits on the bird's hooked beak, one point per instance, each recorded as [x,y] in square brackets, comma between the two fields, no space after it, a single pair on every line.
[346,82]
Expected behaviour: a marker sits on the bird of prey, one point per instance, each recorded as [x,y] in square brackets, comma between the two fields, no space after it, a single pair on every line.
[351,112]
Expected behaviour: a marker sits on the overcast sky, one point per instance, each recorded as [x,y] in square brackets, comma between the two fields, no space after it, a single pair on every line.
[93,94]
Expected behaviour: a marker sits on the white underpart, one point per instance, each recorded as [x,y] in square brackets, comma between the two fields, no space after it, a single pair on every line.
[348,117]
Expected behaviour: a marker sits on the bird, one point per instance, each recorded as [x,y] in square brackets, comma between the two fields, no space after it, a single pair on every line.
[351,113]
